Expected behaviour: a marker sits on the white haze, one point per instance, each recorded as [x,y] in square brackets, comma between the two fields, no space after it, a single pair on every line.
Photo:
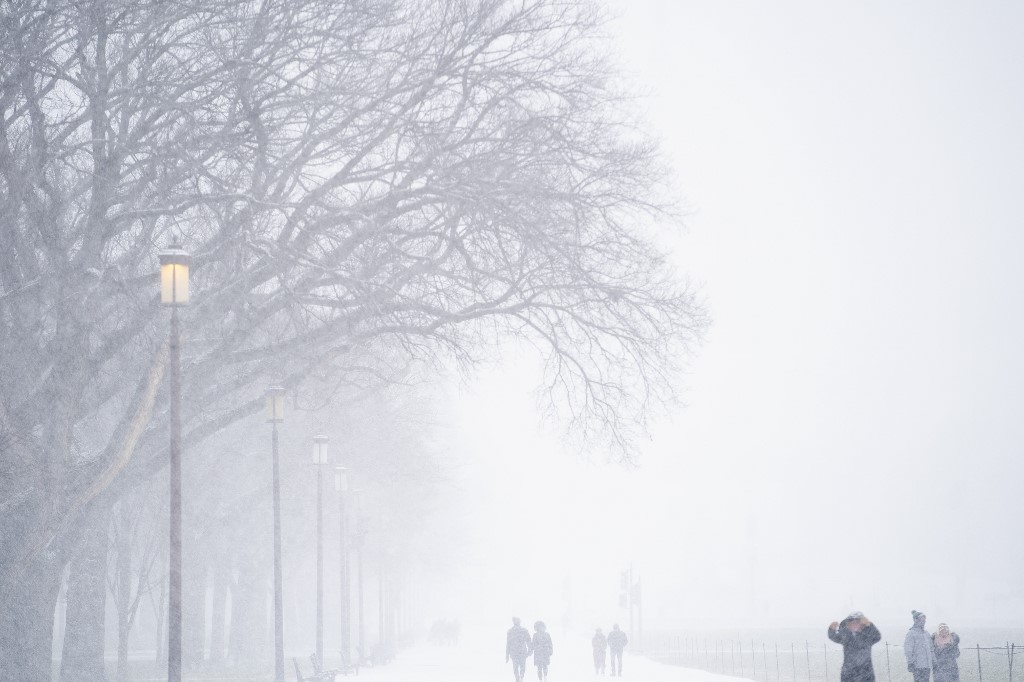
[853,428]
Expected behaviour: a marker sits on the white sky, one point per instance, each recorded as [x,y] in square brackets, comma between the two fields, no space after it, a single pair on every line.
[853,434]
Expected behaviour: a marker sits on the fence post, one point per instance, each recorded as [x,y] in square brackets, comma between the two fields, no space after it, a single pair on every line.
[1013,649]
[978,648]
[807,649]
[753,660]
[732,656]
[888,666]
[740,656]
[1009,660]
[792,652]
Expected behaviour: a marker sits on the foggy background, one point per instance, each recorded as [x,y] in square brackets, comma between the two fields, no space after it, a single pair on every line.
[852,431]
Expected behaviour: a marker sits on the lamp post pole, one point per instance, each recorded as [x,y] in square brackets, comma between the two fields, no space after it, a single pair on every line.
[341,483]
[319,458]
[174,593]
[382,618]
[275,415]
[362,621]
[174,264]
[360,545]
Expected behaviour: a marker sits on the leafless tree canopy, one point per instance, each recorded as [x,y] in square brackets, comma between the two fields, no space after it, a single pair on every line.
[359,182]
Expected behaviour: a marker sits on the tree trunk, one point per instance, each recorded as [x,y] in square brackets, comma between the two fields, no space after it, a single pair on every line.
[160,614]
[82,660]
[31,569]
[251,611]
[221,577]
[26,616]
[193,615]
[124,597]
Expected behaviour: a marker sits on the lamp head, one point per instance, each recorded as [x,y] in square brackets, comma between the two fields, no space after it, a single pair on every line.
[275,404]
[174,263]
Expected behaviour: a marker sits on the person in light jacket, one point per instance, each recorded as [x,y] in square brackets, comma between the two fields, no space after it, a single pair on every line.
[946,647]
[542,649]
[917,647]
[600,645]
[617,641]
[857,634]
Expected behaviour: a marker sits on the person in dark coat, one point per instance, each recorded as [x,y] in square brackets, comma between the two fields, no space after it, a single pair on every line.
[946,650]
[517,648]
[542,649]
[600,644]
[857,635]
[617,641]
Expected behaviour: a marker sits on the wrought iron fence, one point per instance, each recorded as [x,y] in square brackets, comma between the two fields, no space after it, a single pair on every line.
[764,661]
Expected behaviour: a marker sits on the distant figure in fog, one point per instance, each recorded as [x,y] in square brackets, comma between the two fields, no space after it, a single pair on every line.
[857,634]
[517,648]
[917,647]
[542,649]
[600,644]
[616,643]
[946,649]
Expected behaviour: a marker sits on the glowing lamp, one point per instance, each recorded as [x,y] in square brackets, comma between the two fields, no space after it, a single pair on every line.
[174,276]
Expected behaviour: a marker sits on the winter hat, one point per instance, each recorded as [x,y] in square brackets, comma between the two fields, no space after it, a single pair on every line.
[943,626]
[916,615]
[856,615]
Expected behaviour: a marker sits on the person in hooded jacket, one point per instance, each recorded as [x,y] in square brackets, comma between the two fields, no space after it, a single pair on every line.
[857,634]
[542,649]
[600,644]
[946,649]
[918,648]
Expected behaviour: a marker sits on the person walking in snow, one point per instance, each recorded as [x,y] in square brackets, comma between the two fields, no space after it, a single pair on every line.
[600,644]
[857,634]
[917,647]
[542,649]
[517,648]
[617,641]
[946,649]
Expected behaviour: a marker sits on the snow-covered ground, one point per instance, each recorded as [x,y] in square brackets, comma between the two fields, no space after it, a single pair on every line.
[477,659]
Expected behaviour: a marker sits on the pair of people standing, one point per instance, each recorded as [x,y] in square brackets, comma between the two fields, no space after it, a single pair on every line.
[519,645]
[926,653]
[615,641]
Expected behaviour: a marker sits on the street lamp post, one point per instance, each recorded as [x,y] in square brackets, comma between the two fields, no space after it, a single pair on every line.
[319,459]
[174,264]
[360,544]
[275,415]
[341,485]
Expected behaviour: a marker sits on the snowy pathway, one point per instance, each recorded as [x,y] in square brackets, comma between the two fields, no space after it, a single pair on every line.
[484,663]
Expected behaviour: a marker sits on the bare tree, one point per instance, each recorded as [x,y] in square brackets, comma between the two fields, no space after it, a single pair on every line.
[361,184]
[136,531]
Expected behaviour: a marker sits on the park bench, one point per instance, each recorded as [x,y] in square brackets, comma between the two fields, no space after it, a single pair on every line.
[347,667]
[319,674]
